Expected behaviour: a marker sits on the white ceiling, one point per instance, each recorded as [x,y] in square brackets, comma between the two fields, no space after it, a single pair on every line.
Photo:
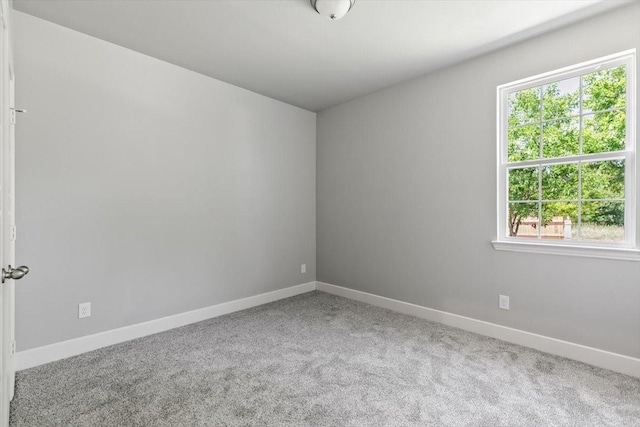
[283,49]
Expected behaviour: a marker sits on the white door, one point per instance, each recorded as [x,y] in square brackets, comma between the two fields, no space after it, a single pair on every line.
[7,213]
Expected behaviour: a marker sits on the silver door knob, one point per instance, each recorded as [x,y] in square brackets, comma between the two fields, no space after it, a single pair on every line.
[14,273]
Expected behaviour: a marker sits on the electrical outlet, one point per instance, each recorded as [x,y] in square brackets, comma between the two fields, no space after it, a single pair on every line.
[504,302]
[84,310]
[303,268]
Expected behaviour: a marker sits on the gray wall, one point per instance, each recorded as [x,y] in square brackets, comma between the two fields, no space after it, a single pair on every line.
[407,199]
[147,189]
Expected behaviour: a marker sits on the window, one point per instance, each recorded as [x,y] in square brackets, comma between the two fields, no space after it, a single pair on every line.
[567,161]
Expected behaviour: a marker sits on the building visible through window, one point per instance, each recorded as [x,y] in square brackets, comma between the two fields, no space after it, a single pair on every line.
[567,156]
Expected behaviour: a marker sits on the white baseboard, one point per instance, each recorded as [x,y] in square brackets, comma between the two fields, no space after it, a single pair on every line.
[593,356]
[61,350]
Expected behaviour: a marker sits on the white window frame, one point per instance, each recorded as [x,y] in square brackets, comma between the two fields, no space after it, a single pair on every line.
[630,249]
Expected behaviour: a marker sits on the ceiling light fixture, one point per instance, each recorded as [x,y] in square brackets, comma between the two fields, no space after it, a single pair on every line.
[332,9]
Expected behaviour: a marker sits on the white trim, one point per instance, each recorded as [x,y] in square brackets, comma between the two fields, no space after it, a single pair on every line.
[593,356]
[627,250]
[570,250]
[585,158]
[608,61]
[61,350]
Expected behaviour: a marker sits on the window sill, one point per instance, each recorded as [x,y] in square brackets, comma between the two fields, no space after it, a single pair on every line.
[582,251]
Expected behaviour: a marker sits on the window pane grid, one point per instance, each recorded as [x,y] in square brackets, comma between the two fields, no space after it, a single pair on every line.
[551,214]
[591,157]
[574,116]
[580,141]
[567,200]
[578,122]
[522,105]
[579,233]
[540,155]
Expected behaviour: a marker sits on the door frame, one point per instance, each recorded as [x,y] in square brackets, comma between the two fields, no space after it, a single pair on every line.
[7,209]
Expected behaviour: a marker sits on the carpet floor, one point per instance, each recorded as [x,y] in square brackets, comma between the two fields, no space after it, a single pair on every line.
[321,360]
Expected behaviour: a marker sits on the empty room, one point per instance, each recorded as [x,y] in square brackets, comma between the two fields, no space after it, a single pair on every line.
[319,213]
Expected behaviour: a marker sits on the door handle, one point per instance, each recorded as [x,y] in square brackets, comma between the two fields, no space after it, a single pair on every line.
[14,273]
